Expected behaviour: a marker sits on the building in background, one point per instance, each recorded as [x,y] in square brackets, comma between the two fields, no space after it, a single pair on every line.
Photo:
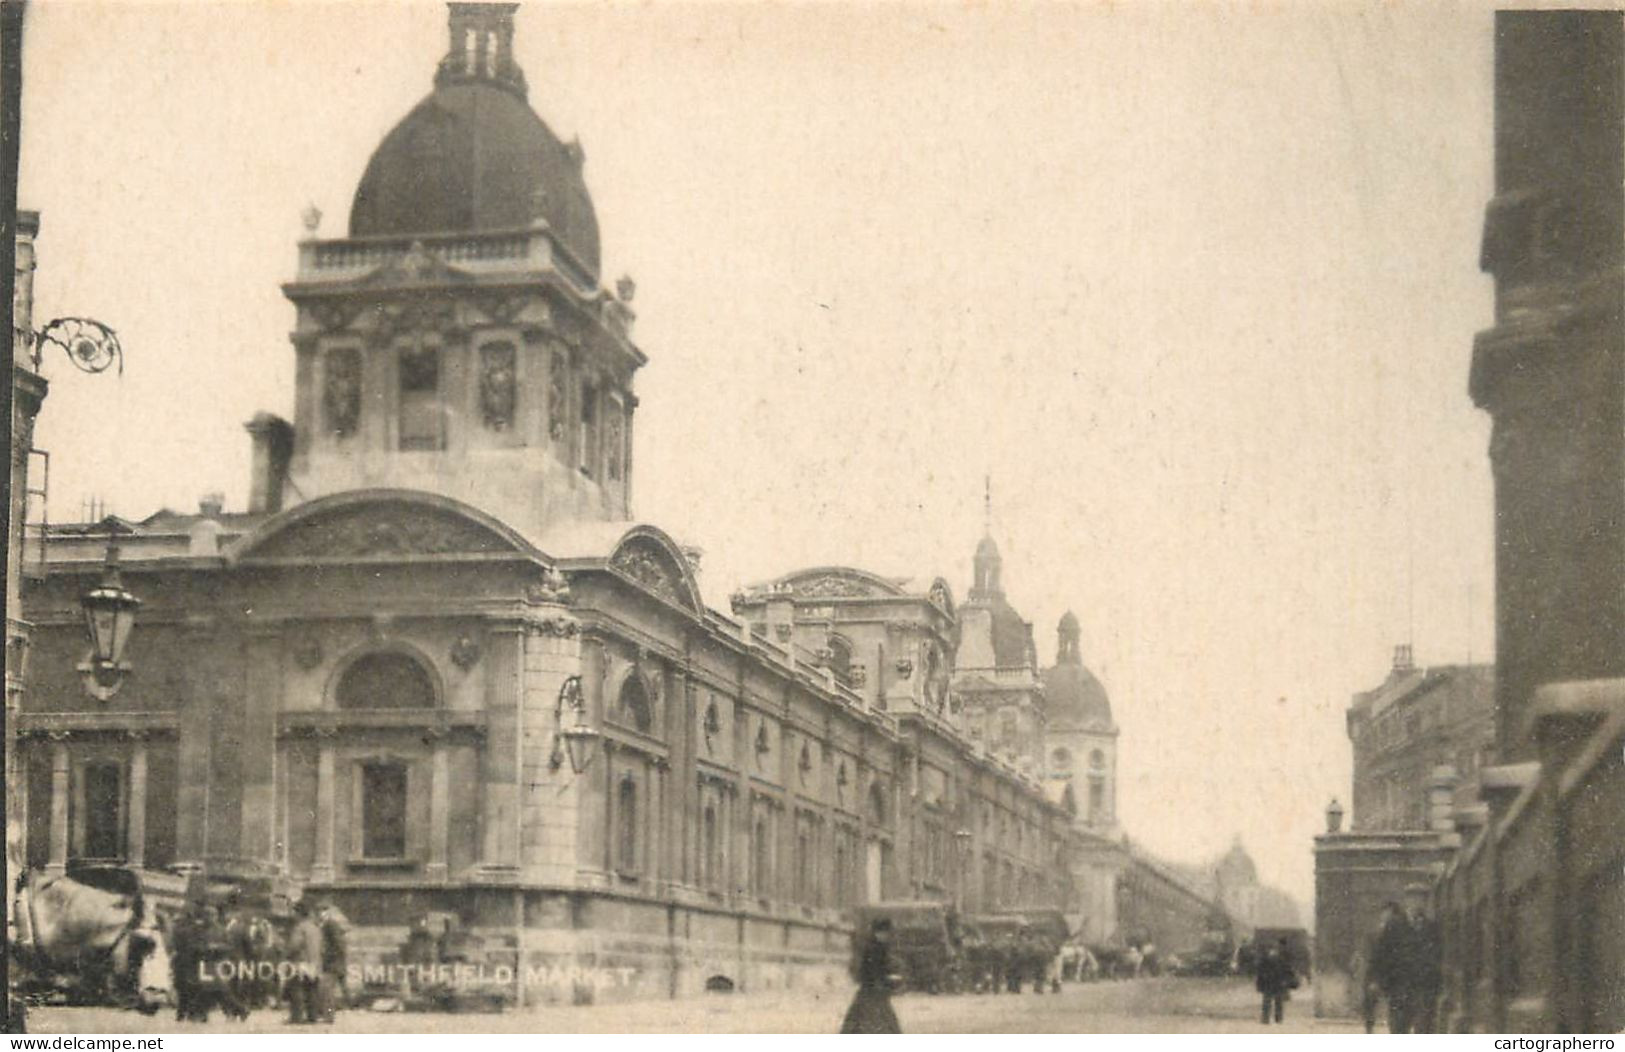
[1417,722]
[1412,735]
[996,674]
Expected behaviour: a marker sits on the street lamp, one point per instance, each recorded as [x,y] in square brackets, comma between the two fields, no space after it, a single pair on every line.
[109,619]
[577,739]
[1334,816]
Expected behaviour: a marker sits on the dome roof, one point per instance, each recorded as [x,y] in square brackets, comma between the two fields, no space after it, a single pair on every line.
[1012,634]
[1075,700]
[474,157]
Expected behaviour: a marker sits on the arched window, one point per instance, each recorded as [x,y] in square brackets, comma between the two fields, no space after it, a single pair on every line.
[1097,798]
[626,819]
[385,680]
[634,704]
[1097,761]
[1061,758]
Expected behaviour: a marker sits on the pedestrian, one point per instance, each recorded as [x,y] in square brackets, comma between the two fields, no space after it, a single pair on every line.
[335,960]
[871,1011]
[305,955]
[1426,966]
[1374,966]
[1275,981]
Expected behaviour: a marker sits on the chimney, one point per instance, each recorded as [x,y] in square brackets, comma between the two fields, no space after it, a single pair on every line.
[272,439]
[1402,658]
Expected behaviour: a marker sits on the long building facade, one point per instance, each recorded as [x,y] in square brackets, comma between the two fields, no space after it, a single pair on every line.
[435,665]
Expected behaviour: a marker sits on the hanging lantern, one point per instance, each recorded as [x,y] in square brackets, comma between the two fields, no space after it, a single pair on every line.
[577,740]
[109,619]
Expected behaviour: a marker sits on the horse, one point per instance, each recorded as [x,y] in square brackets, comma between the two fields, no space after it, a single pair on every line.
[105,943]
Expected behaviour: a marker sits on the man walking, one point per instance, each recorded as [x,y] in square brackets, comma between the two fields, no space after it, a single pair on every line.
[335,960]
[1405,964]
[1425,964]
[1275,980]
[305,955]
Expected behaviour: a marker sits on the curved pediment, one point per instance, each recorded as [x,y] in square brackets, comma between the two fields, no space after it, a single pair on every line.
[840,582]
[650,559]
[379,524]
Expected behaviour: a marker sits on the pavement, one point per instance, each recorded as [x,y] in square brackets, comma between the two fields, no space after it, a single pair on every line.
[1191,1006]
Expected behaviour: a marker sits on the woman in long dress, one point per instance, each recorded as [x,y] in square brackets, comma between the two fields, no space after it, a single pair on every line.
[871,1011]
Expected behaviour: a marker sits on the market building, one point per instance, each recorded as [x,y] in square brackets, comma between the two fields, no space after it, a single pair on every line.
[436,666]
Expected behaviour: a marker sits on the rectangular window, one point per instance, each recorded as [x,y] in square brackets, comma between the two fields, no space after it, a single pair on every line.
[383,810]
[589,431]
[614,440]
[102,828]
[420,417]
[626,816]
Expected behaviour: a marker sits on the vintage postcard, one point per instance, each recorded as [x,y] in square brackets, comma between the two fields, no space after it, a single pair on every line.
[748,517]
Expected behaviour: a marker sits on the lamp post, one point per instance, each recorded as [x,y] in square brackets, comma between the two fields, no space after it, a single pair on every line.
[576,740]
[109,611]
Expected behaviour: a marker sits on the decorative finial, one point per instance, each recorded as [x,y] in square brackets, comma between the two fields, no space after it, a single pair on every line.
[312,217]
[626,288]
[987,504]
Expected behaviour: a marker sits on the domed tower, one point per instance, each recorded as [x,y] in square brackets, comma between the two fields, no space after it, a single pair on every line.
[996,667]
[458,340]
[1082,738]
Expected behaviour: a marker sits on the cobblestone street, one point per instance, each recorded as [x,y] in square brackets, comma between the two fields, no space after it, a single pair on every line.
[1147,1005]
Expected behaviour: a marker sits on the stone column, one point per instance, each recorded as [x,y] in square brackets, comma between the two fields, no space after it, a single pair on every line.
[439,811]
[322,867]
[136,836]
[57,860]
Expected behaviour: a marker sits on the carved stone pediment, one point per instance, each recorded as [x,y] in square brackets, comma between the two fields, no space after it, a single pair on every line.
[835,586]
[649,566]
[381,530]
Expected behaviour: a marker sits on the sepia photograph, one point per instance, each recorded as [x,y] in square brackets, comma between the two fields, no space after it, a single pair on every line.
[814,517]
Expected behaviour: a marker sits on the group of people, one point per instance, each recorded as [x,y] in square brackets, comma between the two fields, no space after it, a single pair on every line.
[236,961]
[1401,965]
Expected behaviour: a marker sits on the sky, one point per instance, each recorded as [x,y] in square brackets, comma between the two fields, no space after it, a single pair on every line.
[1194,285]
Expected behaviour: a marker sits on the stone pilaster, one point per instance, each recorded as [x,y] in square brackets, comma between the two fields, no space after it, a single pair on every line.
[552,796]
[322,868]
[500,818]
[136,833]
[61,786]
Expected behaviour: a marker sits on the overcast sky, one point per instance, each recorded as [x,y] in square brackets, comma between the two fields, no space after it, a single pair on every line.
[1196,286]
